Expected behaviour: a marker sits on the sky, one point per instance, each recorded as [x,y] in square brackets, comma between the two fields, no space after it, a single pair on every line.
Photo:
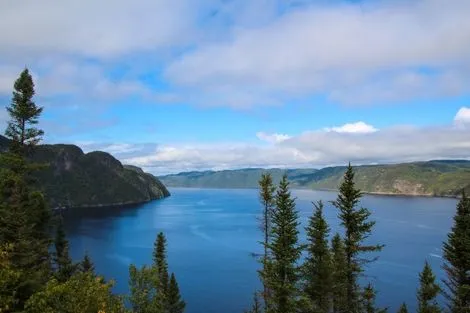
[180,85]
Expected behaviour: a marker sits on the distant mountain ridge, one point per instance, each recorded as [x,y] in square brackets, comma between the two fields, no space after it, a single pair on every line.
[75,179]
[430,178]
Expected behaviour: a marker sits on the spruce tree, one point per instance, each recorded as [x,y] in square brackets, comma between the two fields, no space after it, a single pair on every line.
[457,260]
[24,214]
[87,265]
[357,228]
[284,251]
[266,195]
[428,291]
[175,302]
[256,306]
[24,115]
[368,300]
[160,261]
[403,308]
[63,262]
[339,279]
[318,264]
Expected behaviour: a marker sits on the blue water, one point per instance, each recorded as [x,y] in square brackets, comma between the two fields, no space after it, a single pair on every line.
[213,232]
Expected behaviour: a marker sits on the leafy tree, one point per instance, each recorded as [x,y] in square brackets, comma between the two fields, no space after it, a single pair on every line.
[428,291]
[160,261]
[339,278]
[175,302]
[9,279]
[357,228]
[285,252]
[266,195]
[65,268]
[24,115]
[87,265]
[403,309]
[318,266]
[82,293]
[368,299]
[144,290]
[457,259]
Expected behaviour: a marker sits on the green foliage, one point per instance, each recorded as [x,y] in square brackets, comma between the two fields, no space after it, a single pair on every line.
[87,265]
[317,267]
[403,309]
[82,293]
[144,287]
[339,277]
[64,267]
[159,260]
[285,251]
[428,291]
[357,228]
[256,306]
[175,303]
[266,196]
[368,301]
[457,259]
[23,115]
[9,280]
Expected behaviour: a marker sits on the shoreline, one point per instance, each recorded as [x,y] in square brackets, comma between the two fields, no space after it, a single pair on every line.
[106,205]
[372,193]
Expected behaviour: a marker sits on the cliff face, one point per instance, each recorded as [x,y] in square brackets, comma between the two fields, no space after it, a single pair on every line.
[72,178]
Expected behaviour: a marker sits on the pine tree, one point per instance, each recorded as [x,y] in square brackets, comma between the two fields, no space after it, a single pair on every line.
[87,265]
[318,264]
[428,291]
[24,114]
[339,279]
[159,260]
[368,299]
[64,265]
[457,260]
[266,195]
[357,228]
[285,252]
[403,309]
[175,303]
[256,306]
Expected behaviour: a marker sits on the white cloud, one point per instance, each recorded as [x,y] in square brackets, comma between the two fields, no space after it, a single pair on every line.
[95,28]
[358,143]
[462,118]
[272,138]
[354,52]
[358,127]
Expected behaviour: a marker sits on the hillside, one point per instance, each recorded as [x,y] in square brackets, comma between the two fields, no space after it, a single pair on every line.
[433,178]
[73,178]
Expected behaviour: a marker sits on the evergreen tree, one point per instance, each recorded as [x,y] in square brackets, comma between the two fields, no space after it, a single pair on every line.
[63,262]
[256,306]
[175,303]
[339,279]
[318,265]
[368,300]
[403,309]
[284,251]
[24,215]
[24,115]
[266,195]
[87,265]
[428,291]
[160,261]
[457,260]
[357,228]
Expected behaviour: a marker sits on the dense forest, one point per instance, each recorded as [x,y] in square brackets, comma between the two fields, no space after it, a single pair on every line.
[38,275]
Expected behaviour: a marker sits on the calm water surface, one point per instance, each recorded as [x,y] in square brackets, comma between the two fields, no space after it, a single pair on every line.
[213,232]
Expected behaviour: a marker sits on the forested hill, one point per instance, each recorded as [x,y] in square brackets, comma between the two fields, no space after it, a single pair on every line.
[73,178]
[438,178]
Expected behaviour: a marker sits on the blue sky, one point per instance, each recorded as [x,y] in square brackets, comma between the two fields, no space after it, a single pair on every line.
[213,84]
